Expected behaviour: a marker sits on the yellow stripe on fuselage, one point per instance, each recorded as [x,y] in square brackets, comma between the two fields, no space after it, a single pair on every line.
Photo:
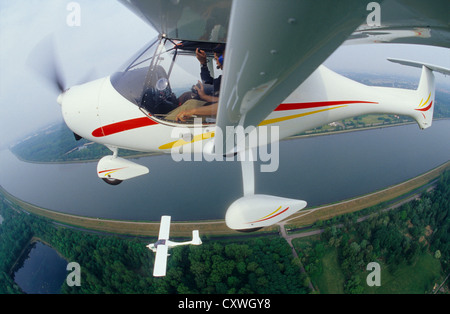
[181,142]
[282,119]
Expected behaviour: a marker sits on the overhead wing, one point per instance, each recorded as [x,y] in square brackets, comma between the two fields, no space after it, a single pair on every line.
[197,20]
[160,267]
[401,21]
[407,22]
[164,228]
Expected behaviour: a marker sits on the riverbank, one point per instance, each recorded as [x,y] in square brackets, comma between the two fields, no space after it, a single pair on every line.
[218,227]
[308,217]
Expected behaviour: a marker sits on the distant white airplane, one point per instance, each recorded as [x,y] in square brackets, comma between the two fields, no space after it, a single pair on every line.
[162,246]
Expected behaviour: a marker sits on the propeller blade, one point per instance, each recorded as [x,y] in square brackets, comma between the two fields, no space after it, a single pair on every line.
[89,76]
[44,61]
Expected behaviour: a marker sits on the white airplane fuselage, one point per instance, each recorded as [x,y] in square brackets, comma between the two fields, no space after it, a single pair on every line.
[98,113]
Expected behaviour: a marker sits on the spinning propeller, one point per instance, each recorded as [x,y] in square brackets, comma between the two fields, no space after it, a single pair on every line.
[45,62]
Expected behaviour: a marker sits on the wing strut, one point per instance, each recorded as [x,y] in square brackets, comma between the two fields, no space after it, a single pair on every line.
[248,170]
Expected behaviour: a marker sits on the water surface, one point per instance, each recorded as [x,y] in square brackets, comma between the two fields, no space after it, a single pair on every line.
[43,271]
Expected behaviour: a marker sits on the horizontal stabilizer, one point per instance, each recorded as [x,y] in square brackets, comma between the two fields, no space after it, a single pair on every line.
[432,67]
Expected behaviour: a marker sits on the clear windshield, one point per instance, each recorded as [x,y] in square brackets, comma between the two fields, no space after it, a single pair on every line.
[129,81]
[160,79]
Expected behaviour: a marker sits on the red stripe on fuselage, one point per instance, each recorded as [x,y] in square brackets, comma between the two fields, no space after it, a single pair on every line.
[122,126]
[307,105]
[144,121]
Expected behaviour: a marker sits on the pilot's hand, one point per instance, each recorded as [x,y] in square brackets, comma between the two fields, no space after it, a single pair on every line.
[201,56]
[183,116]
[200,89]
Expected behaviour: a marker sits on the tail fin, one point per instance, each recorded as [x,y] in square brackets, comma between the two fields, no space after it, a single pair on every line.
[424,108]
[196,238]
[425,92]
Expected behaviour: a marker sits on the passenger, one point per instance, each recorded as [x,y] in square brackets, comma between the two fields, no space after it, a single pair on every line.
[208,104]
[219,53]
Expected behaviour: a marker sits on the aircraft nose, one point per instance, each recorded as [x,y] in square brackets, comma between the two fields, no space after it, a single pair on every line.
[79,106]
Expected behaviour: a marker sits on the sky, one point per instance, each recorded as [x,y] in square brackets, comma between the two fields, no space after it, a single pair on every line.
[107,35]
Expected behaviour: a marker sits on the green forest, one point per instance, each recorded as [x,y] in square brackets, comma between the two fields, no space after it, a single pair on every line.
[410,243]
[117,265]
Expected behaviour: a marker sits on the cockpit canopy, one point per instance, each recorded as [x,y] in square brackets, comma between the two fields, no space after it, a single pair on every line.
[161,76]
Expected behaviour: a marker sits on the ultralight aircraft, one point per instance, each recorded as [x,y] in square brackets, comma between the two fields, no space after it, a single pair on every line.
[162,246]
[273,84]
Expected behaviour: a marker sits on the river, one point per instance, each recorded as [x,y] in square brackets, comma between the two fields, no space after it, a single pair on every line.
[320,170]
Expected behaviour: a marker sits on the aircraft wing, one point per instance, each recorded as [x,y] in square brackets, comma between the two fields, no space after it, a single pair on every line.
[401,21]
[164,228]
[196,20]
[159,269]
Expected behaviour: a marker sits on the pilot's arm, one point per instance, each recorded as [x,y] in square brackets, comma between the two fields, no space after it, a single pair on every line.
[204,71]
[210,110]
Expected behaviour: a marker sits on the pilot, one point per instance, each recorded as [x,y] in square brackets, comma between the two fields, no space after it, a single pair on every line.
[208,104]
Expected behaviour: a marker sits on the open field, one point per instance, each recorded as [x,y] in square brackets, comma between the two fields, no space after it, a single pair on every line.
[331,281]
[408,279]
